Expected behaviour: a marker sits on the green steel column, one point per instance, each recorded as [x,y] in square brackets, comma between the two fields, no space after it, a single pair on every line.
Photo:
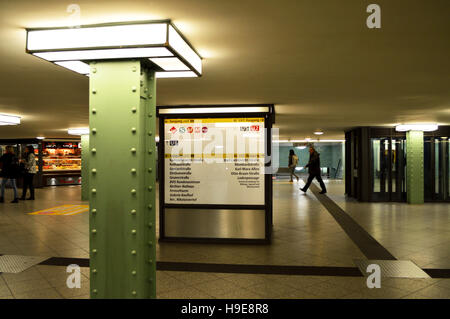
[122,180]
[85,167]
[414,167]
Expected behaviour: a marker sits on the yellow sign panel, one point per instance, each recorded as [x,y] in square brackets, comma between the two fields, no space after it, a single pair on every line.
[215,120]
[65,210]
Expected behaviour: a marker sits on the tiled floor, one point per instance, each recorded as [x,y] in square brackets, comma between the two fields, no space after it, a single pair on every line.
[304,233]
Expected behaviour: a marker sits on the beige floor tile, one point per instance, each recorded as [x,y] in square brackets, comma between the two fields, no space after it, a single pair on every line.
[50,293]
[184,293]
[327,290]
[167,284]
[444,283]
[432,292]
[28,274]
[26,286]
[238,293]
[407,284]
[4,291]
[67,292]
[271,290]
[377,293]
[246,280]
[192,278]
[216,287]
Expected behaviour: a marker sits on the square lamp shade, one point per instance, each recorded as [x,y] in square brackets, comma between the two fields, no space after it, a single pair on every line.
[78,131]
[157,41]
[9,120]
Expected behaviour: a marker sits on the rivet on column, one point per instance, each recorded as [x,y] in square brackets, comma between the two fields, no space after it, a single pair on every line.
[133,212]
[94,211]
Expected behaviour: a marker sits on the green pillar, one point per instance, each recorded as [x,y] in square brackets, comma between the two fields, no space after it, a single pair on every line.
[122,180]
[414,167]
[85,167]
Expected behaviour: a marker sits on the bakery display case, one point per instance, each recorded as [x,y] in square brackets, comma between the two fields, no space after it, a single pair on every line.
[64,156]
[61,163]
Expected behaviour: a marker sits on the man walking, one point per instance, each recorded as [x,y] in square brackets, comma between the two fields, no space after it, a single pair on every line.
[314,170]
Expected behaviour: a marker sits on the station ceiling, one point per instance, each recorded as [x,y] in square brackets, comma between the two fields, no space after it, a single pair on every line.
[315,60]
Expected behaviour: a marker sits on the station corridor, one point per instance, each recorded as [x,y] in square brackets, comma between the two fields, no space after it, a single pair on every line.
[315,244]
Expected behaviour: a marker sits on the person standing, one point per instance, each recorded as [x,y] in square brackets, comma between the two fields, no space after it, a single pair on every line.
[293,161]
[10,168]
[30,170]
[314,170]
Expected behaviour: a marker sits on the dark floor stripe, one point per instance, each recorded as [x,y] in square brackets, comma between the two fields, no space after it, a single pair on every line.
[246,269]
[63,261]
[368,245]
[259,269]
[438,273]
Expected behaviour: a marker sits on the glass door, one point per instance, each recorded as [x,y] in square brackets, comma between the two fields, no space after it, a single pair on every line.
[437,169]
[388,169]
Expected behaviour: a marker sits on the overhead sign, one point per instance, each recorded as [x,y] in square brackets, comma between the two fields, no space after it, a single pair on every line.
[214,161]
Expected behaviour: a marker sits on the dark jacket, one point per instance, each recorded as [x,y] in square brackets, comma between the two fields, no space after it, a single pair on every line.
[314,164]
[10,166]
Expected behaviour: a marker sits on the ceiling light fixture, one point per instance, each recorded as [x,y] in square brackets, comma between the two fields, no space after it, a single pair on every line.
[416,127]
[78,131]
[318,132]
[158,42]
[40,137]
[9,119]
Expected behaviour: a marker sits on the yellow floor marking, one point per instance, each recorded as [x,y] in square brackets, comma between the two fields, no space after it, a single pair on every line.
[63,210]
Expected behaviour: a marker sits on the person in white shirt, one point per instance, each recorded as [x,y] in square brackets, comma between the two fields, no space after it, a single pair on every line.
[293,161]
[30,170]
